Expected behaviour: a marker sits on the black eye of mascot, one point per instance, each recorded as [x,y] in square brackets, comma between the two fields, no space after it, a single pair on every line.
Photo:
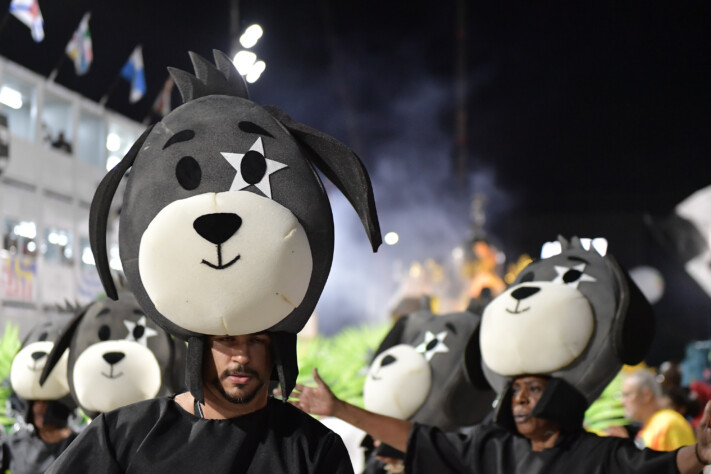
[225,225]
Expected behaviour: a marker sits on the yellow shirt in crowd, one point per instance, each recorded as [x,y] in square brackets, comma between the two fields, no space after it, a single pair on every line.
[666,430]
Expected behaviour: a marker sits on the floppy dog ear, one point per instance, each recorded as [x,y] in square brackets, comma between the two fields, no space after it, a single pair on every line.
[61,344]
[393,337]
[341,166]
[99,214]
[634,327]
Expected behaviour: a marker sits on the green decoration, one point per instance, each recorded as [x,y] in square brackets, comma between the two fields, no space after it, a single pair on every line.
[342,360]
[9,346]
[607,410]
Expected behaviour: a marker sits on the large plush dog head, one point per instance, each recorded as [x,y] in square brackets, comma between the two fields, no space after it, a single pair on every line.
[28,364]
[419,372]
[117,356]
[575,316]
[225,226]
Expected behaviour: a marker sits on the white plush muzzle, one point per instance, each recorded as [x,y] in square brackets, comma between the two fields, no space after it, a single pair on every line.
[262,287]
[399,388]
[536,335]
[26,370]
[102,387]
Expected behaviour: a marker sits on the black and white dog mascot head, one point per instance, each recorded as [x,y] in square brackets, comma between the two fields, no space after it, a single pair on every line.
[26,370]
[225,226]
[419,371]
[576,317]
[28,364]
[117,356]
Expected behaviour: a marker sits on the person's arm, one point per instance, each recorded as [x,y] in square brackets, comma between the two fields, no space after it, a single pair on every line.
[320,400]
[692,459]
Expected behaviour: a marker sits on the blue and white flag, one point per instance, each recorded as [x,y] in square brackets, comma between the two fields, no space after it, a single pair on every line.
[132,71]
[28,12]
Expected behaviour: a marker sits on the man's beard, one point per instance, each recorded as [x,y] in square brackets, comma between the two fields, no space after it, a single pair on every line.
[247,397]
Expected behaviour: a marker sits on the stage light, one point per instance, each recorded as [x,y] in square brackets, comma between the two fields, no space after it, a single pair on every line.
[11,97]
[243,61]
[26,229]
[113,142]
[250,36]
[87,257]
[391,238]
[111,162]
[256,70]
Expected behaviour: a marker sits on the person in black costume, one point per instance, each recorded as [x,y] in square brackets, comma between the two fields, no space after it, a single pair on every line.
[549,346]
[238,429]
[32,449]
[522,440]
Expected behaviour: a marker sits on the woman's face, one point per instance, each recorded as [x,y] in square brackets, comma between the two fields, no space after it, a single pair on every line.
[525,393]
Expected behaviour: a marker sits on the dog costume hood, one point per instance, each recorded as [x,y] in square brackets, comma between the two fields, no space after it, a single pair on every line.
[225,226]
[575,317]
[428,351]
[117,356]
[27,368]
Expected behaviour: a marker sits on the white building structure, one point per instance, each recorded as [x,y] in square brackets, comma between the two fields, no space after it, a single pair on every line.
[46,191]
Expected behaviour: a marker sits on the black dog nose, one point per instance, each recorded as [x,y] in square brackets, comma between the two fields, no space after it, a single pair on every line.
[113,357]
[217,228]
[38,355]
[524,292]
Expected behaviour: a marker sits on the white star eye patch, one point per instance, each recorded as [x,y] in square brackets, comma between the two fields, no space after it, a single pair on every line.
[432,345]
[253,168]
[572,276]
[138,331]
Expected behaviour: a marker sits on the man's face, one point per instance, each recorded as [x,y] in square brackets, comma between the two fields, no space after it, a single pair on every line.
[238,367]
[39,408]
[632,399]
[525,393]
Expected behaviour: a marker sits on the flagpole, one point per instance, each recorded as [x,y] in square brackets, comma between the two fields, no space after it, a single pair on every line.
[4,20]
[55,71]
[113,85]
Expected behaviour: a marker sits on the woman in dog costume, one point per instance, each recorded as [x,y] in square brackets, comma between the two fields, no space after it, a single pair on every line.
[549,346]
[226,240]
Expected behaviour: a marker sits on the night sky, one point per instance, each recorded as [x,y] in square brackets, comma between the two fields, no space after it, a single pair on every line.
[579,120]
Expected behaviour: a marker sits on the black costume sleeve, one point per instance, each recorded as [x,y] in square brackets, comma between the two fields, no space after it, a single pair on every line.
[334,457]
[4,454]
[92,451]
[488,449]
[431,450]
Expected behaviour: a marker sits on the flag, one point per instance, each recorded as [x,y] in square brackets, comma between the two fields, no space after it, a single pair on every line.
[79,47]
[132,71]
[687,233]
[162,104]
[28,12]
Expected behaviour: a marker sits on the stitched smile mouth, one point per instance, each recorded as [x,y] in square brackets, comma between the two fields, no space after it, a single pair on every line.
[111,376]
[516,310]
[35,369]
[220,265]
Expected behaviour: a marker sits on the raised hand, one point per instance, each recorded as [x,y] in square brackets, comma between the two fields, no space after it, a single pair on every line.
[318,400]
[703,437]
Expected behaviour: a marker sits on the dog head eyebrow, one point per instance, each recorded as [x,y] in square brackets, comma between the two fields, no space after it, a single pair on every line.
[181,136]
[250,127]
[451,327]
[103,312]
[578,259]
